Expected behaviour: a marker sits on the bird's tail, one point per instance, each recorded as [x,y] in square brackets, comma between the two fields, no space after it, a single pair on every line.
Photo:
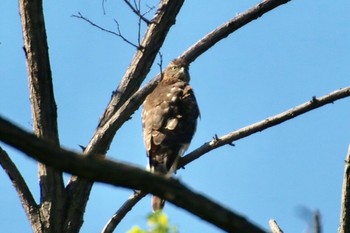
[157,203]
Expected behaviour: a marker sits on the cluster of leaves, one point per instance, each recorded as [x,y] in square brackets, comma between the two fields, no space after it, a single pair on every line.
[158,222]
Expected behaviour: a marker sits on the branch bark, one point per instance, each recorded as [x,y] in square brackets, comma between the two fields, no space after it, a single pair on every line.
[95,168]
[43,111]
[345,198]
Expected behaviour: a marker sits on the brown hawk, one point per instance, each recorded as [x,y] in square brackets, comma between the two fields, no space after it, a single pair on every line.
[169,120]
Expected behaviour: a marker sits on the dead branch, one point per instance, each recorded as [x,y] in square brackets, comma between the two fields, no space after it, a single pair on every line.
[94,168]
[344,226]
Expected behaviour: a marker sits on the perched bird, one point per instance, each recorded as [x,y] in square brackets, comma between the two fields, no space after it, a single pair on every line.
[169,120]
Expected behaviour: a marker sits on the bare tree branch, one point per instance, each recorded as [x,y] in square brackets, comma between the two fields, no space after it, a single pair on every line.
[344,226]
[274,226]
[118,33]
[122,211]
[230,26]
[43,110]
[137,11]
[228,139]
[24,194]
[95,168]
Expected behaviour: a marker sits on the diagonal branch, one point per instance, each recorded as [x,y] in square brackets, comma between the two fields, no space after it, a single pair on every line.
[344,226]
[228,139]
[26,197]
[122,211]
[94,168]
[229,27]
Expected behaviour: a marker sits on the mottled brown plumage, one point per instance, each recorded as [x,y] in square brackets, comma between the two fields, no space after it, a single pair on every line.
[169,120]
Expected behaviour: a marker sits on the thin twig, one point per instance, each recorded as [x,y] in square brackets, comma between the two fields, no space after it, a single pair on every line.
[137,12]
[118,34]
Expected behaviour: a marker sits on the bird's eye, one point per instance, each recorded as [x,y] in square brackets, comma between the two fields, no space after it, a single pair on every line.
[175,67]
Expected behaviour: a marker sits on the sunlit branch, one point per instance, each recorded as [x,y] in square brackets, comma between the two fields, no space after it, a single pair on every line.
[265,124]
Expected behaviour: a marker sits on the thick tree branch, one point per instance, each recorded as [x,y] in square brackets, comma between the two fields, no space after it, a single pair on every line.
[43,110]
[344,226]
[229,27]
[95,168]
[228,139]
[24,194]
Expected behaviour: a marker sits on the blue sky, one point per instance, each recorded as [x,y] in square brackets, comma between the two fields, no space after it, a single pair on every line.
[281,60]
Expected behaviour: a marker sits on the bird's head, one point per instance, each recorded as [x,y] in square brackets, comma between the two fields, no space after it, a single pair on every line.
[177,70]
